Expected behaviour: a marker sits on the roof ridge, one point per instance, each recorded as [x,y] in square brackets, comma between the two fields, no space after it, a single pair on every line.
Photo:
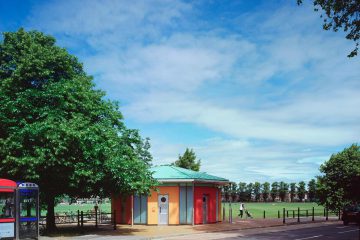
[174,172]
[177,169]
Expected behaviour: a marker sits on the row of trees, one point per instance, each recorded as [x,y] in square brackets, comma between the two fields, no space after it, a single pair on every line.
[336,187]
[282,191]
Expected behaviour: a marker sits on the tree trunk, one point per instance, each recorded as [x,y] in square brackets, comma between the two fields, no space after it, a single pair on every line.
[50,216]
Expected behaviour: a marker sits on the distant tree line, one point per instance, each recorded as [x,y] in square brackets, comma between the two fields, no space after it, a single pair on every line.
[266,192]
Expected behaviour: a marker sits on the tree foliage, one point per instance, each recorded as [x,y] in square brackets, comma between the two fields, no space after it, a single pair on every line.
[242,191]
[292,191]
[233,191]
[57,130]
[312,190]
[226,192]
[188,160]
[249,191]
[339,184]
[257,191]
[341,14]
[283,190]
[274,190]
[143,149]
[301,190]
[266,191]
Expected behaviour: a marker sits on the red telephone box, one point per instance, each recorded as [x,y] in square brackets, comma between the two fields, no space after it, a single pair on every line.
[7,209]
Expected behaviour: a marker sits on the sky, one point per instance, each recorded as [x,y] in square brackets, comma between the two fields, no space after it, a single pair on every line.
[257,89]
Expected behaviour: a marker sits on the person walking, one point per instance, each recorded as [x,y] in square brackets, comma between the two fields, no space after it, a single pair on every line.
[241,208]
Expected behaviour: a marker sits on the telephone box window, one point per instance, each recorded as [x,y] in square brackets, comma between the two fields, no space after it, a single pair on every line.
[7,205]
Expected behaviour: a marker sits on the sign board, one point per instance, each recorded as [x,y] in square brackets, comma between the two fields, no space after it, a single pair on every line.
[6,230]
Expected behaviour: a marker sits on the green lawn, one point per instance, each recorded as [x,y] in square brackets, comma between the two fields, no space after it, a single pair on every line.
[272,208]
[256,209]
[62,208]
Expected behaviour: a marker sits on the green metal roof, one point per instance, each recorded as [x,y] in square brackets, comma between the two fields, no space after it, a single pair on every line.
[168,172]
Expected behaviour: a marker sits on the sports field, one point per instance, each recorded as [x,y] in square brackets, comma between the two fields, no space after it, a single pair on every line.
[272,208]
[256,209]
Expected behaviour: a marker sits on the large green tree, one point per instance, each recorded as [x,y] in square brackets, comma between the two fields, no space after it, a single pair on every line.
[249,191]
[257,191]
[143,149]
[274,190]
[242,191]
[292,191]
[340,180]
[341,14]
[312,190]
[57,130]
[188,160]
[233,191]
[226,192]
[283,190]
[301,190]
[266,190]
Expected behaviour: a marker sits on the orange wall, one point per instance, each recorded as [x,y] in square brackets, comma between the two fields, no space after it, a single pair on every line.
[152,216]
[174,205]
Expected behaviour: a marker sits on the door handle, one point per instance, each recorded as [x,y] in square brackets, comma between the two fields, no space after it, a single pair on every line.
[160,209]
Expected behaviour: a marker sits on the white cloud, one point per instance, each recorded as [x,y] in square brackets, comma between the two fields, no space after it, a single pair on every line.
[248,124]
[240,160]
[283,80]
[181,63]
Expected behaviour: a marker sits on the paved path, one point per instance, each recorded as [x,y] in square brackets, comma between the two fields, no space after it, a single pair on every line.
[315,231]
[235,230]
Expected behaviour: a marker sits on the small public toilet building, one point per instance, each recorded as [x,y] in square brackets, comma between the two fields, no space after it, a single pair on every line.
[183,197]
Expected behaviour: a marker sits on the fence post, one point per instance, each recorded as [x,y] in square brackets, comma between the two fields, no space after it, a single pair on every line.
[298,214]
[324,212]
[287,213]
[78,217]
[283,215]
[339,214]
[327,214]
[313,213]
[229,215]
[307,213]
[278,213]
[293,213]
[114,219]
[264,214]
[82,222]
[96,219]
[223,214]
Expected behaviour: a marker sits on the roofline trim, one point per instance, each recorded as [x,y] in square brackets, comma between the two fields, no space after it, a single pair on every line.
[174,180]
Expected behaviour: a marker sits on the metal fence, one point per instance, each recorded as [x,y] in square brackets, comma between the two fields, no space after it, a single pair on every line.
[81,218]
[299,214]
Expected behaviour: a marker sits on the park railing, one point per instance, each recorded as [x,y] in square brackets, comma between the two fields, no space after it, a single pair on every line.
[80,218]
[298,214]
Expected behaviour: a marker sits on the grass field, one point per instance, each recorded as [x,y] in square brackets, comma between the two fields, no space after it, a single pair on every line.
[81,207]
[256,209]
[272,208]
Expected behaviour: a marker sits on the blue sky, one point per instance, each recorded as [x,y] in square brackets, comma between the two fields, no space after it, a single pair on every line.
[256,88]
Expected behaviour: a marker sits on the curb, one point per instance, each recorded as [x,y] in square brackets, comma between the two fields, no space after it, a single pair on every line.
[246,228]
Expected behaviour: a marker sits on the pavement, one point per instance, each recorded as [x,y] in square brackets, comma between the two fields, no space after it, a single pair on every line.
[236,230]
[313,231]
